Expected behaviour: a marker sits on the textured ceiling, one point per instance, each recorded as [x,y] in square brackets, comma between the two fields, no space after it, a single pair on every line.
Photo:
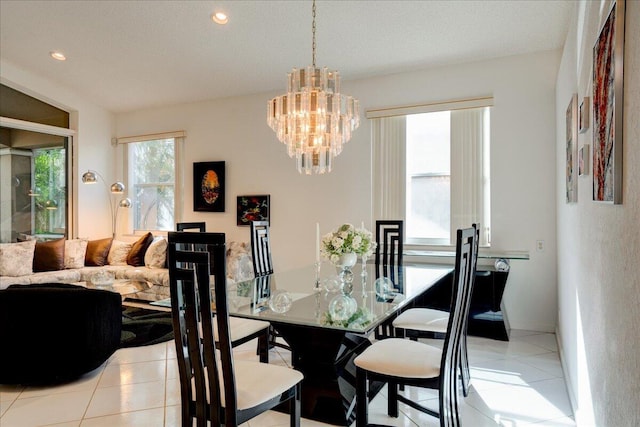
[127,55]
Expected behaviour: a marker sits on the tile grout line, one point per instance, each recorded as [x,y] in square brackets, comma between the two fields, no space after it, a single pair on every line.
[166,379]
[93,393]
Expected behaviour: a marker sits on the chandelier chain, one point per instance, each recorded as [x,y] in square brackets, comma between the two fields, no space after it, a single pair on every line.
[313,31]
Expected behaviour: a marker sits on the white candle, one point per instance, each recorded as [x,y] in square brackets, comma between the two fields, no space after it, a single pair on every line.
[317,242]
[362,225]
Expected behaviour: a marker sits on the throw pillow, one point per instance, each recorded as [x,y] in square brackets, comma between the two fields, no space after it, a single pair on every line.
[118,252]
[138,250]
[74,253]
[49,256]
[13,258]
[97,252]
[156,256]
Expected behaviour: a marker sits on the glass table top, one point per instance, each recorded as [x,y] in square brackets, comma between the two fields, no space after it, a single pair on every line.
[289,296]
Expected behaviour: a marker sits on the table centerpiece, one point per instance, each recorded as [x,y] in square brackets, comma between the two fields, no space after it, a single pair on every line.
[342,248]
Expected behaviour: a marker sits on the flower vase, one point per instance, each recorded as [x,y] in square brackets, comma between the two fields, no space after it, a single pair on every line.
[345,263]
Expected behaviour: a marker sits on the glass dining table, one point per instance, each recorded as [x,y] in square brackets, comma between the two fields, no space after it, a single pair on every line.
[326,328]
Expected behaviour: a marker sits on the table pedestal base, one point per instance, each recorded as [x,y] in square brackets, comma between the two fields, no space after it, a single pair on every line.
[328,388]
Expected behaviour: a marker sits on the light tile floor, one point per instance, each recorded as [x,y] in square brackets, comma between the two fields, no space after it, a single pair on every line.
[514,383]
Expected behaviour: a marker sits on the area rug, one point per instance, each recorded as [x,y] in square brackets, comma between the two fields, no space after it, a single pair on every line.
[145,327]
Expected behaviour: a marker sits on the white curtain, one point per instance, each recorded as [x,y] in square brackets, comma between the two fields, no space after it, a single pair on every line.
[389,170]
[468,200]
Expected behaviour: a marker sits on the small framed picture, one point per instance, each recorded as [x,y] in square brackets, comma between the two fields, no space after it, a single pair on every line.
[208,186]
[583,118]
[583,160]
[253,208]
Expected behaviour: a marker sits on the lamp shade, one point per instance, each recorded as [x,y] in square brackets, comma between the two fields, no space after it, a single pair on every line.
[117,187]
[125,203]
[89,177]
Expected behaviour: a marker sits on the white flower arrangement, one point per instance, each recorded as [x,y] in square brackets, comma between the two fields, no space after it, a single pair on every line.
[347,239]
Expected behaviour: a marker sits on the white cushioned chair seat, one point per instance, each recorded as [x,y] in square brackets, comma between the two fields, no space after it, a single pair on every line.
[240,327]
[259,382]
[423,319]
[401,358]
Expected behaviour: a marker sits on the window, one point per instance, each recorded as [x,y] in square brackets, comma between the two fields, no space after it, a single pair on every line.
[428,187]
[153,181]
[431,164]
[50,191]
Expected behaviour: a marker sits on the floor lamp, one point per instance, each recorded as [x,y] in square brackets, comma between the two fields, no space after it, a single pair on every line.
[91,177]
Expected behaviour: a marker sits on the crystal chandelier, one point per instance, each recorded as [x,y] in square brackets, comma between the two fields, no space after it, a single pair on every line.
[313,119]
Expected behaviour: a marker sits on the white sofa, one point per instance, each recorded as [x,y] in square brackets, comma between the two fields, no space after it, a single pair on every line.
[239,267]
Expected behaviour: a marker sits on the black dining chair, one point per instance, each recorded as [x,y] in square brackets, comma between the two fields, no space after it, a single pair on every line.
[242,330]
[389,247]
[420,364]
[422,322]
[388,262]
[263,266]
[261,248]
[186,226]
[216,389]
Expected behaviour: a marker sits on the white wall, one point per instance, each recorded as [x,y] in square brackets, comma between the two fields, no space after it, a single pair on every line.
[92,145]
[599,244]
[522,166]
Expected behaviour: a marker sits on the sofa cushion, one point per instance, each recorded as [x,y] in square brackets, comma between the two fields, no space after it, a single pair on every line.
[13,257]
[156,256]
[74,253]
[49,256]
[135,256]
[97,252]
[118,252]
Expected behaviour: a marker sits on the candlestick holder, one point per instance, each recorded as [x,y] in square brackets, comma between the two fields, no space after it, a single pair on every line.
[363,278]
[363,273]
[316,286]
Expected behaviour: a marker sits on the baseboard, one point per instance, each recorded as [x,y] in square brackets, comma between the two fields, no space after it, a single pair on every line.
[565,372]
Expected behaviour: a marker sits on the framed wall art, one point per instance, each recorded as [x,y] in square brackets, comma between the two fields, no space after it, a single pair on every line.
[583,115]
[571,140]
[583,160]
[208,186]
[253,208]
[608,54]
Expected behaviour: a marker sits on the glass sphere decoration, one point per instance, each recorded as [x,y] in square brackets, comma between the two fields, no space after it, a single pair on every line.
[383,287]
[280,301]
[342,307]
[331,285]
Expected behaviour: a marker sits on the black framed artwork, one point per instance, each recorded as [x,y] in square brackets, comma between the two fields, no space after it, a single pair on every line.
[253,208]
[208,186]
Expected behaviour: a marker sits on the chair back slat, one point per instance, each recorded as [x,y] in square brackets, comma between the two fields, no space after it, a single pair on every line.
[465,375]
[261,248]
[388,255]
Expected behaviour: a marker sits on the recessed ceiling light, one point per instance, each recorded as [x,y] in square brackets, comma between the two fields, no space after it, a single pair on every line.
[220,18]
[58,55]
